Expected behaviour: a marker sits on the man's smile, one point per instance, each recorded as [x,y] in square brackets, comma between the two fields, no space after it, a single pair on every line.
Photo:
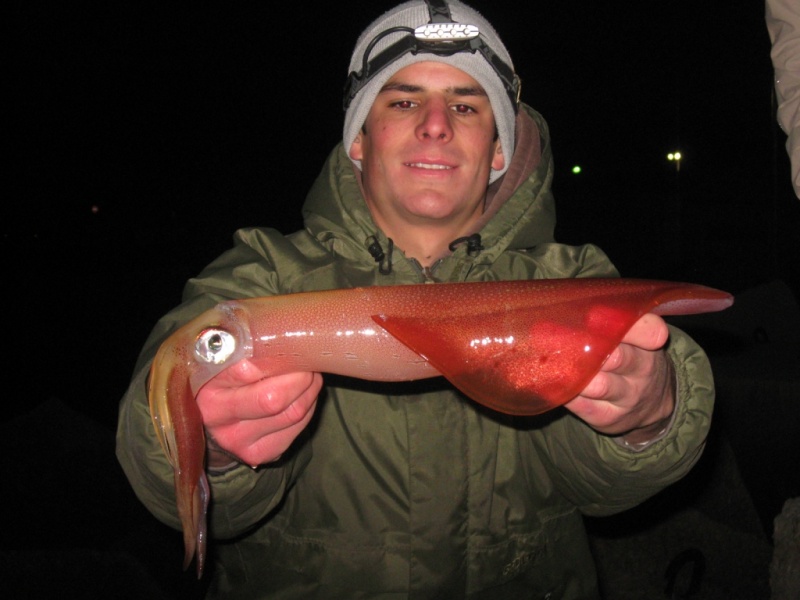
[431,166]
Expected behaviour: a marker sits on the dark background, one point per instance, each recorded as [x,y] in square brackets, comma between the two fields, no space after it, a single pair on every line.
[141,136]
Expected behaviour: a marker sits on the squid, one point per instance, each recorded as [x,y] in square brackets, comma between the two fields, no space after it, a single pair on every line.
[518,347]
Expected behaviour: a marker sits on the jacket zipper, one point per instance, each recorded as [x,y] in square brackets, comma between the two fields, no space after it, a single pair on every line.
[427,272]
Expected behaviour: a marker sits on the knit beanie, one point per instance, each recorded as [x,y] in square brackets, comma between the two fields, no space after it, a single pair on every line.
[413,14]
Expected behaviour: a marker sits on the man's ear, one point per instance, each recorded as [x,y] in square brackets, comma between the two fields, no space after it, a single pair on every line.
[498,159]
[356,148]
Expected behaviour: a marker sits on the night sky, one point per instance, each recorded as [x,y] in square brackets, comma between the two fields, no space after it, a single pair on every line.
[144,135]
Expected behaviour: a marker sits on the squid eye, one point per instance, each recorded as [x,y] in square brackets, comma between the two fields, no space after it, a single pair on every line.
[214,346]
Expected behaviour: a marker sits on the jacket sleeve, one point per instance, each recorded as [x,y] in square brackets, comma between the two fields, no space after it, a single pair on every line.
[242,495]
[602,477]
[783,24]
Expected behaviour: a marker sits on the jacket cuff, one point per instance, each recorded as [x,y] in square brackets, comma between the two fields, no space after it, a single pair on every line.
[640,446]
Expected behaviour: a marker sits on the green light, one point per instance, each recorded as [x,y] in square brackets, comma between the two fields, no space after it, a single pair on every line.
[576,169]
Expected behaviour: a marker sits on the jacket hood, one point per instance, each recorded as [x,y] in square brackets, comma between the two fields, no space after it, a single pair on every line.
[519,213]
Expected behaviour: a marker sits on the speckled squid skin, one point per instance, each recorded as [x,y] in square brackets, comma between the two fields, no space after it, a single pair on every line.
[519,347]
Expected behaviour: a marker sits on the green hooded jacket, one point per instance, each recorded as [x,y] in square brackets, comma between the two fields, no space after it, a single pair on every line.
[411,490]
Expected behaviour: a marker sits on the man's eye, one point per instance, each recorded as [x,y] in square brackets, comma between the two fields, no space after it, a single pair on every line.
[463,109]
[403,104]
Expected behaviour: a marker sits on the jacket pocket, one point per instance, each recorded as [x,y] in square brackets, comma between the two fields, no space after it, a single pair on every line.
[553,562]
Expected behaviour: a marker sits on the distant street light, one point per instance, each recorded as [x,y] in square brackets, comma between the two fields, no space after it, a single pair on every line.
[676,158]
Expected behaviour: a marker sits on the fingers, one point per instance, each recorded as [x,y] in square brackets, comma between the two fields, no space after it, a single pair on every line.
[256,418]
[629,391]
[271,397]
[243,372]
[262,441]
[650,332]
[284,399]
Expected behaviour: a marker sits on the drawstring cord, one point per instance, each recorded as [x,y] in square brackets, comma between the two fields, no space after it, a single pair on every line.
[473,243]
[384,261]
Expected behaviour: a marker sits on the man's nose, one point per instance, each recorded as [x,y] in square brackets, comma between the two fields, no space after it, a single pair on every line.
[435,124]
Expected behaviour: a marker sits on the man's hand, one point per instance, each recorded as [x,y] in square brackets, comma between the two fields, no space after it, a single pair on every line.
[253,419]
[634,392]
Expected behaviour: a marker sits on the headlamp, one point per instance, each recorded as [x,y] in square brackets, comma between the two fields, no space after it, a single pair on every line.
[440,36]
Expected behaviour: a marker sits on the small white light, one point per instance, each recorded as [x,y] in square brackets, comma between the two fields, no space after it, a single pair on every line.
[446,32]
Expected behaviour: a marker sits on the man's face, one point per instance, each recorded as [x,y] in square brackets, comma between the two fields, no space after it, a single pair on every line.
[428,147]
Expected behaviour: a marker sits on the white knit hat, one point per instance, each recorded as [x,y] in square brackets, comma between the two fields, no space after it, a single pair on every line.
[360,92]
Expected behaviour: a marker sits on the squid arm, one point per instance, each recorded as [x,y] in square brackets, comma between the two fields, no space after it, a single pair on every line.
[518,347]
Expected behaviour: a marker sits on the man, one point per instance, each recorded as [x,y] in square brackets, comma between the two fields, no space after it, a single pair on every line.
[369,489]
[783,25]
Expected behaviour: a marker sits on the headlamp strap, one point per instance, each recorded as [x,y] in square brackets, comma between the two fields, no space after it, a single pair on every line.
[439,11]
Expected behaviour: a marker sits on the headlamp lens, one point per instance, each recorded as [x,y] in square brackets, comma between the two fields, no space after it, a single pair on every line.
[446,32]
